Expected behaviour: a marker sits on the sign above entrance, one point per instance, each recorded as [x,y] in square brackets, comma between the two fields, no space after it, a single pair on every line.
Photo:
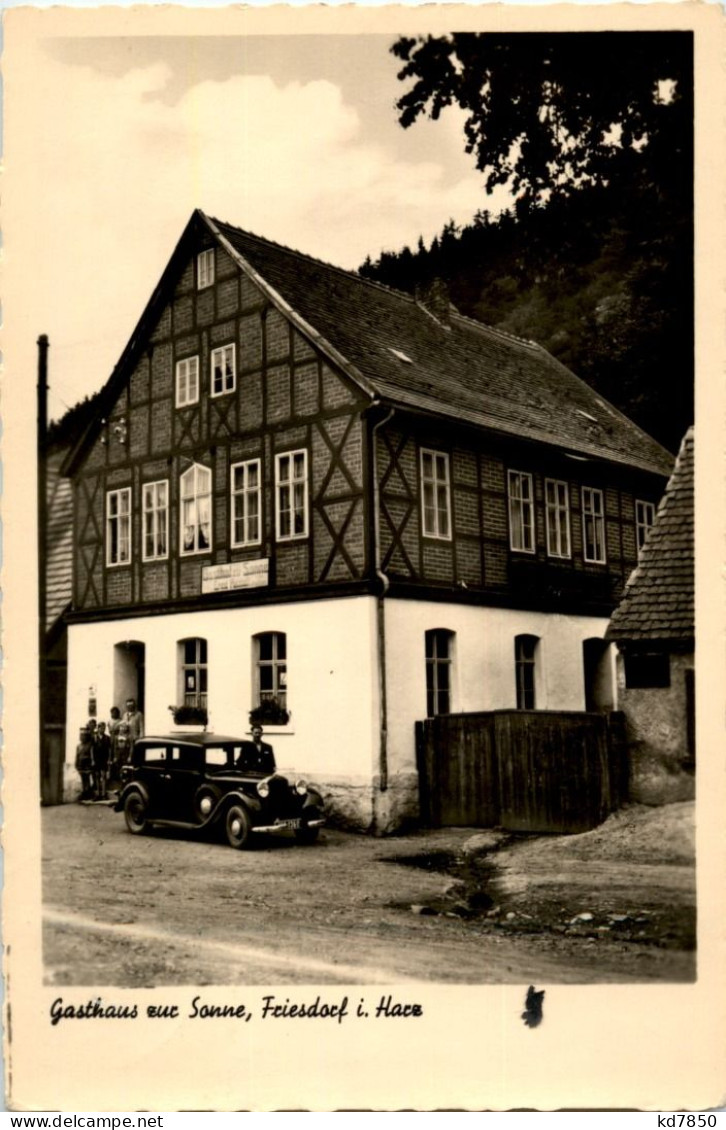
[237,575]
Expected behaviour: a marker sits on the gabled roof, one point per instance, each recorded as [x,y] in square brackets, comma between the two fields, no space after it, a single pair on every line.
[398,352]
[658,602]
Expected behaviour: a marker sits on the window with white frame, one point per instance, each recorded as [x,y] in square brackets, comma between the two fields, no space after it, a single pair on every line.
[205,268]
[435,494]
[155,544]
[246,503]
[193,672]
[593,525]
[525,665]
[224,377]
[270,656]
[557,506]
[291,491]
[187,381]
[521,511]
[118,526]
[439,657]
[196,510]
[644,519]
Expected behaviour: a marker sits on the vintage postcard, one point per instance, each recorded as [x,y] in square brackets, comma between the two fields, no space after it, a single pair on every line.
[363,525]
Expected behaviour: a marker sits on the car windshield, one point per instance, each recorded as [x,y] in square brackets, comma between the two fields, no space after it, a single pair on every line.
[242,755]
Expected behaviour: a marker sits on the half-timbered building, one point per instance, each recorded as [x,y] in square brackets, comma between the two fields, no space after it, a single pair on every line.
[348,508]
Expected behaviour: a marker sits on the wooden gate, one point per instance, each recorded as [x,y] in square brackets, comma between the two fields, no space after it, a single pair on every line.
[457,766]
[533,771]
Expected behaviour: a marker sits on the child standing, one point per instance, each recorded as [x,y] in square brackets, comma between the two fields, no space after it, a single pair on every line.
[101,756]
[84,763]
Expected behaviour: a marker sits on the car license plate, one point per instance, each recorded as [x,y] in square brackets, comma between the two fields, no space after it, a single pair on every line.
[287,823]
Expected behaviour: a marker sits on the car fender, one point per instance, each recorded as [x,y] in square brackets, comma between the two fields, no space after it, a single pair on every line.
[313,799]
[215,794]
[251,803]
[132,787]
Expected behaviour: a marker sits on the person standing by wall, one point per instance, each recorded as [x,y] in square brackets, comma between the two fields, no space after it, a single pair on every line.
[134,719]
[102,755]
[113,728]
[123,746]
[257,755]
[84,763]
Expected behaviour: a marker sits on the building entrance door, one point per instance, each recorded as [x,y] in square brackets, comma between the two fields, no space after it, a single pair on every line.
[129,674]
[597,665]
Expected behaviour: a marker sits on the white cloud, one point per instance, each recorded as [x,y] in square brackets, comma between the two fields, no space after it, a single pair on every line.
[118,171]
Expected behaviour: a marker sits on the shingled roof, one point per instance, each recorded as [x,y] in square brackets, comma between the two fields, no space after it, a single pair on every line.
[465,370]
[658,602]
[399,353]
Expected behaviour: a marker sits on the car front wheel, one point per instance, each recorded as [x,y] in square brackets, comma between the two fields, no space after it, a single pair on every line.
[136,814]
[237,826]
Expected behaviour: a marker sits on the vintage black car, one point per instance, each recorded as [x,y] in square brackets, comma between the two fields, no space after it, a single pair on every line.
[201,781]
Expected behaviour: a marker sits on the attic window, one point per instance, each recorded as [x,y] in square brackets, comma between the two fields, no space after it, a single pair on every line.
[401,356]
[205,269]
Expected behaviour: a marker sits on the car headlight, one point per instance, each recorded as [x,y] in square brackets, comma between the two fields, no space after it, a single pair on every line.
[263,787]
[301,787]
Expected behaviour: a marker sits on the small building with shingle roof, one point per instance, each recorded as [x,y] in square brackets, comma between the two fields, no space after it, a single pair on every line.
[654,628]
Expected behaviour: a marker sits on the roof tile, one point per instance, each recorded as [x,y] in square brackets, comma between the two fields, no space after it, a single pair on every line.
[658,602]
[465,370]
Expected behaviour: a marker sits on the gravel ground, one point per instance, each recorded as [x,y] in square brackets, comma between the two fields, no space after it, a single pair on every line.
[633,878]
[449,905]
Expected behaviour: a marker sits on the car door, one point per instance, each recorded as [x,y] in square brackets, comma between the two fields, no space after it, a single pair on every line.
[151,770]
[184,776]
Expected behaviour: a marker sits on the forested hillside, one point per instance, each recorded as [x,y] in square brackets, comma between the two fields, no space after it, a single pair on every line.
[595,262]
[609,295]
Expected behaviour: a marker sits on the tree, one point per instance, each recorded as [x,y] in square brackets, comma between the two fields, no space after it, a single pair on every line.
[550,113]
[74,421]
[593,135]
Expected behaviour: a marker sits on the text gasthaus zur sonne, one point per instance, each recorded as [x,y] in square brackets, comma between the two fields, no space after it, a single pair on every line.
[270,1007]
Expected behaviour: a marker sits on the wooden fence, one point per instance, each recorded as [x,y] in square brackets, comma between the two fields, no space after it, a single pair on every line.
[524,770]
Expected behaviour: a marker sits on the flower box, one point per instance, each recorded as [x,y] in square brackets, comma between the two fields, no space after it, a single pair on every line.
[190,717]
[269,713]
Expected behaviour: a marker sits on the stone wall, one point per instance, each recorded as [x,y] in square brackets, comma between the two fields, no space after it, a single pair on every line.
[661,770]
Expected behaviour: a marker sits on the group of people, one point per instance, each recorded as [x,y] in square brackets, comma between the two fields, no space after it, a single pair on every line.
[104,747]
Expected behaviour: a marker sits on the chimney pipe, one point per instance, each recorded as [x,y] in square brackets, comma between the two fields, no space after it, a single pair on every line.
[42,390]
[42,528]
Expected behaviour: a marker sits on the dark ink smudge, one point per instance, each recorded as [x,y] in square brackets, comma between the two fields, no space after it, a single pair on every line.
[532,1015]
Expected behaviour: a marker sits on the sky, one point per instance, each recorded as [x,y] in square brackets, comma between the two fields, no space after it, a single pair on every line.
[293,137]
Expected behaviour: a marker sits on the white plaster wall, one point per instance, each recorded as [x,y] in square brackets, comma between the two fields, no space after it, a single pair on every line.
[483,676]
[331,672]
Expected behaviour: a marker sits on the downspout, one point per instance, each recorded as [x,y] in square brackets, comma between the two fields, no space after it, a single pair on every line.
[380,613]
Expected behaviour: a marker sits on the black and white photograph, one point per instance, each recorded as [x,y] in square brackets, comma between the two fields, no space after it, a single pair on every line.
[361,362]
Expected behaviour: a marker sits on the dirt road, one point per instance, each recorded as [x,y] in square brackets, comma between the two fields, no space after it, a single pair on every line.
[439,906]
